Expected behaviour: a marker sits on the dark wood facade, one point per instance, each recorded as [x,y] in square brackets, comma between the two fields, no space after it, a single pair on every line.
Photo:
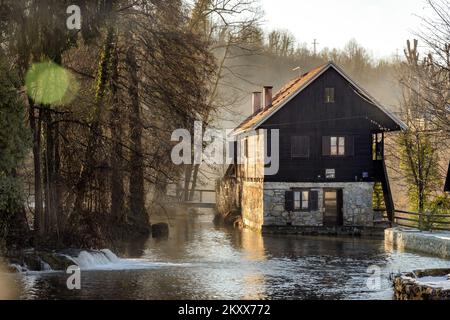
[308,114]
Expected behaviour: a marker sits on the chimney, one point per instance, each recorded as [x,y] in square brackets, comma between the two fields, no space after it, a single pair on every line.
[256,102]
[267,96]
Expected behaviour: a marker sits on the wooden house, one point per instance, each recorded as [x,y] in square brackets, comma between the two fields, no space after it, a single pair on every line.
[331,153]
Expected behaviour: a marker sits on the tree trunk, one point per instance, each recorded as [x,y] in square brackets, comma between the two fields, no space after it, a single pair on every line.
[187,180]
[137,196]
[194,182]
[35,125]
[117,187]
[102,81]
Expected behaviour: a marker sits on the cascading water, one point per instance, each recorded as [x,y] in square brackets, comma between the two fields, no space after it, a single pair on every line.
[95,259]
[105,259]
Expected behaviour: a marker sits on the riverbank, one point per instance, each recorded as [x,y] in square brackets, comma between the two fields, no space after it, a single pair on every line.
[432,243]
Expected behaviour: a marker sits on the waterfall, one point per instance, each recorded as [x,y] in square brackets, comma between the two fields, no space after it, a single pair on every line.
[95,259]
[103,259]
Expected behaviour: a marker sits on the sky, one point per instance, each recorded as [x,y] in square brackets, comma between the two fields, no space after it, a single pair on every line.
[381,26]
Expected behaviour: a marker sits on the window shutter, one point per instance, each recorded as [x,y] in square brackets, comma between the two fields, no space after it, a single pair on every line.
[305,146]
[294,146]
[326,146]
[314,200]
[289,201]
[350,146]
[300,147]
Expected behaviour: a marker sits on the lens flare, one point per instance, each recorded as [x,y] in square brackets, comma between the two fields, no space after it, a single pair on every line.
[50,84]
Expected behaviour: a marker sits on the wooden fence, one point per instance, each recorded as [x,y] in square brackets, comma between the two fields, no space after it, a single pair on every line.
[423,221]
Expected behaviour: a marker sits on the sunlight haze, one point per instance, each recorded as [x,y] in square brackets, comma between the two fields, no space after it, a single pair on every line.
[333,23]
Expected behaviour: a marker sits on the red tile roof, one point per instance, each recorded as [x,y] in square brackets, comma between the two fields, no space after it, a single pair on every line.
[292,88]
[280,97]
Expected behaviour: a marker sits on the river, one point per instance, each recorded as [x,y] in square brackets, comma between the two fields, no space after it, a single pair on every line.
[202,261]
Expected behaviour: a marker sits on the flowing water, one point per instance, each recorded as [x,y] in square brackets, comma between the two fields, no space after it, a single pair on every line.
[202,261]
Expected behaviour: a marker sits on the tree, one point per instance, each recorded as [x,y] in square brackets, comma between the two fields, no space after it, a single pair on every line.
[14,141]
[281,43]
[419,144]
[435,34]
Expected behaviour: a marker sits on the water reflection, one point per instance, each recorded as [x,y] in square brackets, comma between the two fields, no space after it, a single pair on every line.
[202,261]
[7,286]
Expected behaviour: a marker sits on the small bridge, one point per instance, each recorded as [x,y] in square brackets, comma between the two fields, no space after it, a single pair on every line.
[201,201]
[197,198]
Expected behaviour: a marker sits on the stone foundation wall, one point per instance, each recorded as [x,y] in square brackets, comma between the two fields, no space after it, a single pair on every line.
[357,204]
[228,200]
[252,204]
[228,195]
[252,177]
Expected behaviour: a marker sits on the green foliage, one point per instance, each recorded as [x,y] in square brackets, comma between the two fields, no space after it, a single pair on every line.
[419,163]
[14,140]
[378,197]
[440,205]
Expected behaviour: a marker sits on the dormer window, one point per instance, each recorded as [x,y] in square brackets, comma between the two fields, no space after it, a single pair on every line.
[329,95]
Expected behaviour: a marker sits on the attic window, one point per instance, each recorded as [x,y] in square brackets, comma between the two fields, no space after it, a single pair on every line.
[329,95]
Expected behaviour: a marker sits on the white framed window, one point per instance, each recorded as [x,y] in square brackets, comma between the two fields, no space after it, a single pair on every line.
[337,146]
[301,200]
[305,200]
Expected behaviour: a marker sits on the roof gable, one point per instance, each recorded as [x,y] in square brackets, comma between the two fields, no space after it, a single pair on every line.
[294,87]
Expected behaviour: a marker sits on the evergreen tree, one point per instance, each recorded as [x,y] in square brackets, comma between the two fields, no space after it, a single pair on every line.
[14,140]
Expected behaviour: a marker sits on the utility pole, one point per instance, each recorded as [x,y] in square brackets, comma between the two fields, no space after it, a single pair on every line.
[397,55]
[315,43]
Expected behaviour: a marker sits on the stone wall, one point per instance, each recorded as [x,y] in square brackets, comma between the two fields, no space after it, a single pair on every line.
[437,244]
[228,195]
[252,182]
[357,204]
[228,201]
[409,286]
[252,204]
